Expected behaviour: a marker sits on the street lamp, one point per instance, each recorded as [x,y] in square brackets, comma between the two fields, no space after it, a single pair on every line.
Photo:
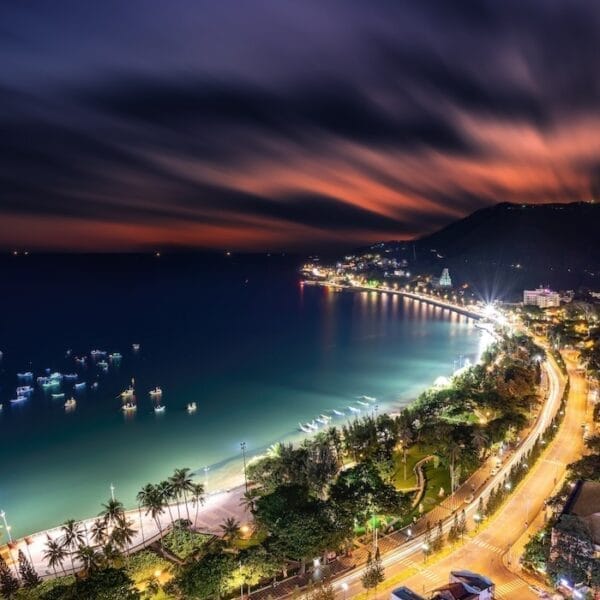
[6,526]
[243,447]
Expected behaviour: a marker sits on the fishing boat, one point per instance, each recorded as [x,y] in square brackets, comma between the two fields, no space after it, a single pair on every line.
[71,376]
[24,389]
[26,375]
[304,428]
[156,392]
[102,364]
[129,407]
[79,386]
[353,409]
[80,360]
[56,376]
[191,407]
[363,403]
[58,396]
[159,408]
[326,417]
[115,356]
[70,404]
[128,393]
[135,347]
[97,353]
[95,385]
[50,383]
[321,420]
[339,413]
[18,399]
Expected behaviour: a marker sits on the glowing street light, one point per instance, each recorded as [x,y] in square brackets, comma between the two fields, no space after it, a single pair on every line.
[6,526]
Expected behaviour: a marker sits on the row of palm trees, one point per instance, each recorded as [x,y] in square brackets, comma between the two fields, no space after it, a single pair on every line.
[111,534]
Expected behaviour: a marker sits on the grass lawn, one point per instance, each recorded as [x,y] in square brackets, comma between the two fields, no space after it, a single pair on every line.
[436,478]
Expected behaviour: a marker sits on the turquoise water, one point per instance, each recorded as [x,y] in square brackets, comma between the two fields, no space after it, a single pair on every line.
[255,350]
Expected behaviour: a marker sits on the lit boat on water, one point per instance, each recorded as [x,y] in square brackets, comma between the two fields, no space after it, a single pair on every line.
[369,398]
[71,376]
[159,408]
[326,417]
[115,356]
[24,389]
[135,347]
[56,376]
[79,386]
[321,420]
[80,360]
[312,425]
[102,364]
[339,413]
[353,409]
[95,385]
[26,375]
[191,407]
[97,353]
[128,393]
[129,407]
[304,428]
[156,392]
[58,396]
[18,399]
[70,404]
[50,383]
[41,380]
[363,403]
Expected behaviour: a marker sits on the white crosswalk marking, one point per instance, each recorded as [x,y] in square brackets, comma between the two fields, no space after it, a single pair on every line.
[487,546]
[509,590]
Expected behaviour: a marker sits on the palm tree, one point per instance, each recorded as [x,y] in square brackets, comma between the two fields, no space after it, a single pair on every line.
[166,494]
[197,498]
[231,529]
[248,500]
[182,484]
[151,499]
[55,554]
[123,534]
[112,511]
[110,554]
[72,537]
[99,531]
[88,557]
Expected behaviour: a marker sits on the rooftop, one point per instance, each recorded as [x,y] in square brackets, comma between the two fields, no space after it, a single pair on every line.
[584,502]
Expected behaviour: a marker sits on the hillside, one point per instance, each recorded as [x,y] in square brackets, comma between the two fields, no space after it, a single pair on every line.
[506,247]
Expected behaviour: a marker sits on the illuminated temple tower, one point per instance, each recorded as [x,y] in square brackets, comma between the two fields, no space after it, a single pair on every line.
[445,280]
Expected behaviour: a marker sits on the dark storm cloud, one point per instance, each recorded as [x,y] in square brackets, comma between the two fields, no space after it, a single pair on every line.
[331,106]
[380,119]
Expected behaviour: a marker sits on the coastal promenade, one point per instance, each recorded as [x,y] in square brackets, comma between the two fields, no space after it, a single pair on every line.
[217,507]
[469,311]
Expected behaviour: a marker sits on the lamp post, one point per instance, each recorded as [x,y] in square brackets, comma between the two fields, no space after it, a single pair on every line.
[243,447]
[6,526]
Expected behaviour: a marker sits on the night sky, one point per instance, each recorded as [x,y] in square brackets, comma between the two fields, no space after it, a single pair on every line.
[263,125]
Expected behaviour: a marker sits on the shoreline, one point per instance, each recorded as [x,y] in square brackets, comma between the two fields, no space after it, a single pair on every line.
[227,475]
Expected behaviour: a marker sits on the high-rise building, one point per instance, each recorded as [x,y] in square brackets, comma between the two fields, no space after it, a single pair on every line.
[445,280]
[542,297]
